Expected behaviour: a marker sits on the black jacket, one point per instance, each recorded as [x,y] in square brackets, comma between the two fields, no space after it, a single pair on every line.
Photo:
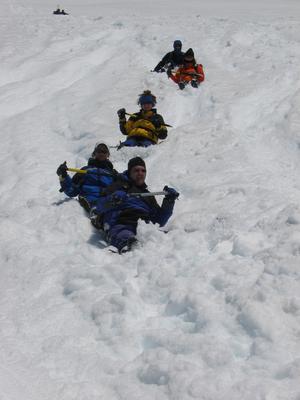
[171,59]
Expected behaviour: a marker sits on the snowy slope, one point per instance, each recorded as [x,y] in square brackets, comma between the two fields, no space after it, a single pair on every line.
[210,310]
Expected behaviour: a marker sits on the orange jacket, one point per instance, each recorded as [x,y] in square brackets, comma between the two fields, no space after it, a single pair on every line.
[188,72]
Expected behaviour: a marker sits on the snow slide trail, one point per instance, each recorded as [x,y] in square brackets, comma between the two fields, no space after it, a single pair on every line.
[210,310]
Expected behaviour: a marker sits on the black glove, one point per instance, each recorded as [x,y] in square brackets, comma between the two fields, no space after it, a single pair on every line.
[62,170]
[172,194]
[156,121]
[169,72]
[121,113]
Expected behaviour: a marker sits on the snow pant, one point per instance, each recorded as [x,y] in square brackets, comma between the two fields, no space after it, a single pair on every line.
[118,235]
[133,141]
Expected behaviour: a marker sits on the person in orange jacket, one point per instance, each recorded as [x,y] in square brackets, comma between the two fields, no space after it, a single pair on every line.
[188,72]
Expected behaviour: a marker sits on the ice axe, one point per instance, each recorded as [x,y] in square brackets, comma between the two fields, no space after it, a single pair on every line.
[149,194]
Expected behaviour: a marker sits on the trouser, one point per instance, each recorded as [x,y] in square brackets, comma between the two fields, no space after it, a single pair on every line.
[119,235]
[133,141]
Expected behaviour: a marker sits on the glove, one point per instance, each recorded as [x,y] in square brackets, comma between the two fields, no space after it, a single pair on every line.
[172,194]
[156,121]
[119,197]
[121,113]
[169,72]
[62,170]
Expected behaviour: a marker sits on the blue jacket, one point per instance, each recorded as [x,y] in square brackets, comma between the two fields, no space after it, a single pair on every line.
[132,208]
[90,185]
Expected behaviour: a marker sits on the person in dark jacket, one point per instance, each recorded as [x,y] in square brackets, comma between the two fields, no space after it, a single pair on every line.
[58,12]
[172,59]
[120,210]
[145,127]
[89,186]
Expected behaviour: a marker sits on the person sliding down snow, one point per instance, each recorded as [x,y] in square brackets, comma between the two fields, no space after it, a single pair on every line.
[89,186]
[121,211]
[145,127]
[172,59]
[188,72]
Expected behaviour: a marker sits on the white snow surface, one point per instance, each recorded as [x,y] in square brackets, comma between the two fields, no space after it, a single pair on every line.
[209,310]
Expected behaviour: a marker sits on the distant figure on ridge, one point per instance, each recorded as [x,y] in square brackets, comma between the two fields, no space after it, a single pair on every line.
[145,127]
[60,12]
[172,59]
[188,72]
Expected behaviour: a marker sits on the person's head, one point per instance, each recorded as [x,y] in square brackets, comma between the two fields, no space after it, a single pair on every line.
[147,100]
[101,152]
[177,45]
[189,56]
[137,170]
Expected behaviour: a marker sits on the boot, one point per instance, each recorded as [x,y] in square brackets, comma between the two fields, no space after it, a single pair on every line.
[128,245]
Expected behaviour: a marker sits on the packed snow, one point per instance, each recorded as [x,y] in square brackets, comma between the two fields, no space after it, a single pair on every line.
[207,308]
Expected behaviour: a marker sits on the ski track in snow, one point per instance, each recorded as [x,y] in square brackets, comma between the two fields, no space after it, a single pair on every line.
[208,311]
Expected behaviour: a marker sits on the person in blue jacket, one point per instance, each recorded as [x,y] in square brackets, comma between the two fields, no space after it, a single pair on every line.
[89,186]
[120,210]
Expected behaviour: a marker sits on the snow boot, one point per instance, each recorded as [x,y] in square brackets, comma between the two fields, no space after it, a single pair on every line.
[181,85]
[96,219]
[128,245]
[194,84]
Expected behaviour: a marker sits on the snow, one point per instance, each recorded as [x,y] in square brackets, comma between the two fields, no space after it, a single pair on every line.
[209,310]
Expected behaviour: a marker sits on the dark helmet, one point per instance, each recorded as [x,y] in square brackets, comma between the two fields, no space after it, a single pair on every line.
[147,98]
[100,148]
[189,55]
[177,45]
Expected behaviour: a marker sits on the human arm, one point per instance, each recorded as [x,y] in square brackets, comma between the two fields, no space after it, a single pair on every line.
[160,66]
[66,182]
[163,213]
[159,125]
[200,72]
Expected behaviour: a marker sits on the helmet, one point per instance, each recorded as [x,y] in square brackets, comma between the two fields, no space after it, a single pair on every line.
[147,98]
[100,148]
[189,55]
[177,44]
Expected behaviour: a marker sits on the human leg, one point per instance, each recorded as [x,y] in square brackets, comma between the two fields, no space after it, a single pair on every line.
[122,237]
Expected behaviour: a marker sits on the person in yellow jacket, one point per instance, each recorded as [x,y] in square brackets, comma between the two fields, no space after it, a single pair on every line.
[145,127]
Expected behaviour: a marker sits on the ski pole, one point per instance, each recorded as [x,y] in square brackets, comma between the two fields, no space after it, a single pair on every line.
[133,115]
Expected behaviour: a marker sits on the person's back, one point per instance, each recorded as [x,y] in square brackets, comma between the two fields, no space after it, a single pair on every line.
[172,59]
